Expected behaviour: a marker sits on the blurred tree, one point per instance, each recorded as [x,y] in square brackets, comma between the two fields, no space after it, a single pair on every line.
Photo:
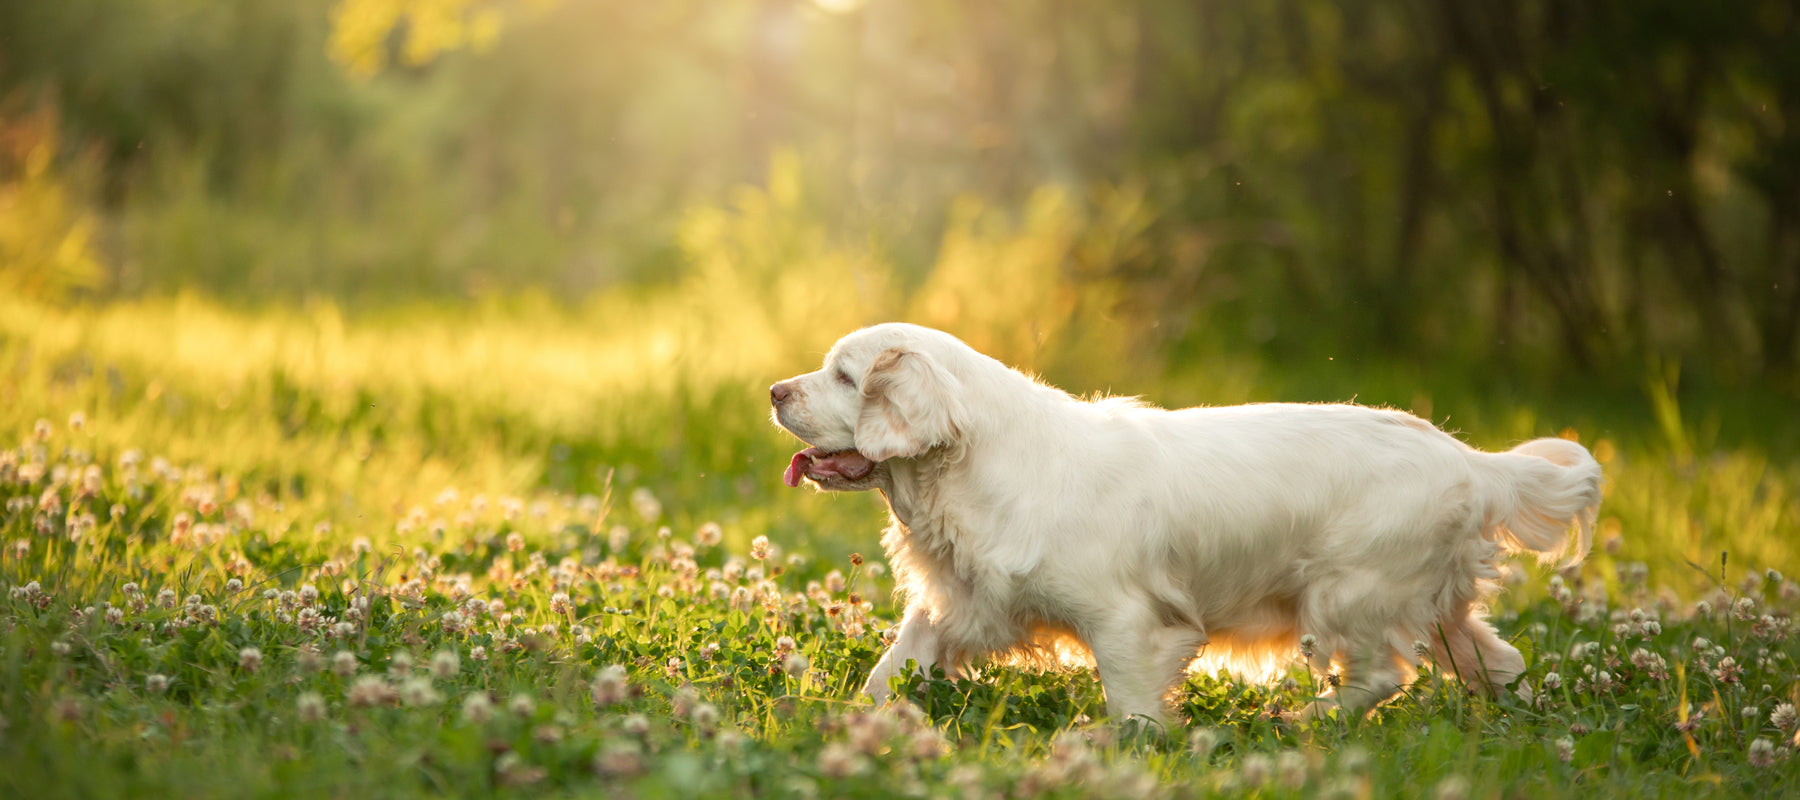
[1608,184]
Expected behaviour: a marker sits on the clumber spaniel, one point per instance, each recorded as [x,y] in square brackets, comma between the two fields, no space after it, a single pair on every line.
[1028,523]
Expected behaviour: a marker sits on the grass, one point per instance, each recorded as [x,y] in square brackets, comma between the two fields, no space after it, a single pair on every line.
[516,551]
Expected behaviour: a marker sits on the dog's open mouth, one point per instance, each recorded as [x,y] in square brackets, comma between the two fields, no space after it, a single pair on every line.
[819,465]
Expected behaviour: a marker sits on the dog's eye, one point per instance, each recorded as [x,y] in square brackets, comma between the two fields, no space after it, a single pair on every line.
[844,378]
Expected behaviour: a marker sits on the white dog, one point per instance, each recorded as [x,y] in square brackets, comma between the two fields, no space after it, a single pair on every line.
[1027,522]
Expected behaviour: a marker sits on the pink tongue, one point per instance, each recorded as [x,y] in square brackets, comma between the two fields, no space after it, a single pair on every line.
[796,464]
[846,464]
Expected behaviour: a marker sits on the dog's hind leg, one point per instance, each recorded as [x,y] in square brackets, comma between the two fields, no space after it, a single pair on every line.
[1470,648]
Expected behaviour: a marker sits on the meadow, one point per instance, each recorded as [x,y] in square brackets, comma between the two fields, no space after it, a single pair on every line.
[521,549]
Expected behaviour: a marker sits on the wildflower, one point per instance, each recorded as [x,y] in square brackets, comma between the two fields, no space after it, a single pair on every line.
[609,687]
[1744,608]
[164,598]
[478,653]
[309,594]
[559,604]
[1421,649]
[673,667]
[837,760]
[759,548]
[344,630]
[477,708]
[709,535]
[250,659]
[1553,681]
[619,759]
[400,664]
[645,504]
[521,705]
[452,622]
[1762,753]
[42,430]
[1255,769]
[1727,670]
[370,690]
[343,663]
[795,665]
[445,665]
[1455,787]
[1784,717]
[783,646]
[636,725]
[834,582]
[1565,749]
[705,716]
[1703,608]
[115,615]
[1290,769]
[419,692]
[1307,643]
[60,648]
[234,586]
[156,683]
[515,542]
[310,707]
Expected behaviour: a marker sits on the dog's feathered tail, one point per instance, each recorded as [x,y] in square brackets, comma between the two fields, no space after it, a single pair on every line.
[1537,493]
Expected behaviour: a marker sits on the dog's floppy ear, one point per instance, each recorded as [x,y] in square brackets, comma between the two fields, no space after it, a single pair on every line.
[910,404]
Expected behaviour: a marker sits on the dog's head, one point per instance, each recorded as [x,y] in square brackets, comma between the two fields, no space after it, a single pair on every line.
[884,392]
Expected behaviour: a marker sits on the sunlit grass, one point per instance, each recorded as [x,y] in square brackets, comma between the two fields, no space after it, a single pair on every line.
[544,493]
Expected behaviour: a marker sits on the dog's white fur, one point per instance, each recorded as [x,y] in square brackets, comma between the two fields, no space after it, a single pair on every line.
[1025,519]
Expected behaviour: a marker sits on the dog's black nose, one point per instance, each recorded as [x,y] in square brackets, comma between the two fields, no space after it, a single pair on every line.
[779,393]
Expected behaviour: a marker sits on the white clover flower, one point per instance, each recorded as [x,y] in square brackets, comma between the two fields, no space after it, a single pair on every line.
[343,663]
[250,659]
[709,535]
[370,690]
[1202,741]
[310,707]
[419,692]
[156,683]
[445,665]
[795,665]
[619,759]
[1565,749]
[1784,718]
[636,725]
[1553,681]
[521,705]
[609,686]
[1762,754]
[477,708]
[648,508]
[705,716]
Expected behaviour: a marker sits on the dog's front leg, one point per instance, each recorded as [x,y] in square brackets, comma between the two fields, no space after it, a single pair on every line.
[1141,660]
[918,641]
